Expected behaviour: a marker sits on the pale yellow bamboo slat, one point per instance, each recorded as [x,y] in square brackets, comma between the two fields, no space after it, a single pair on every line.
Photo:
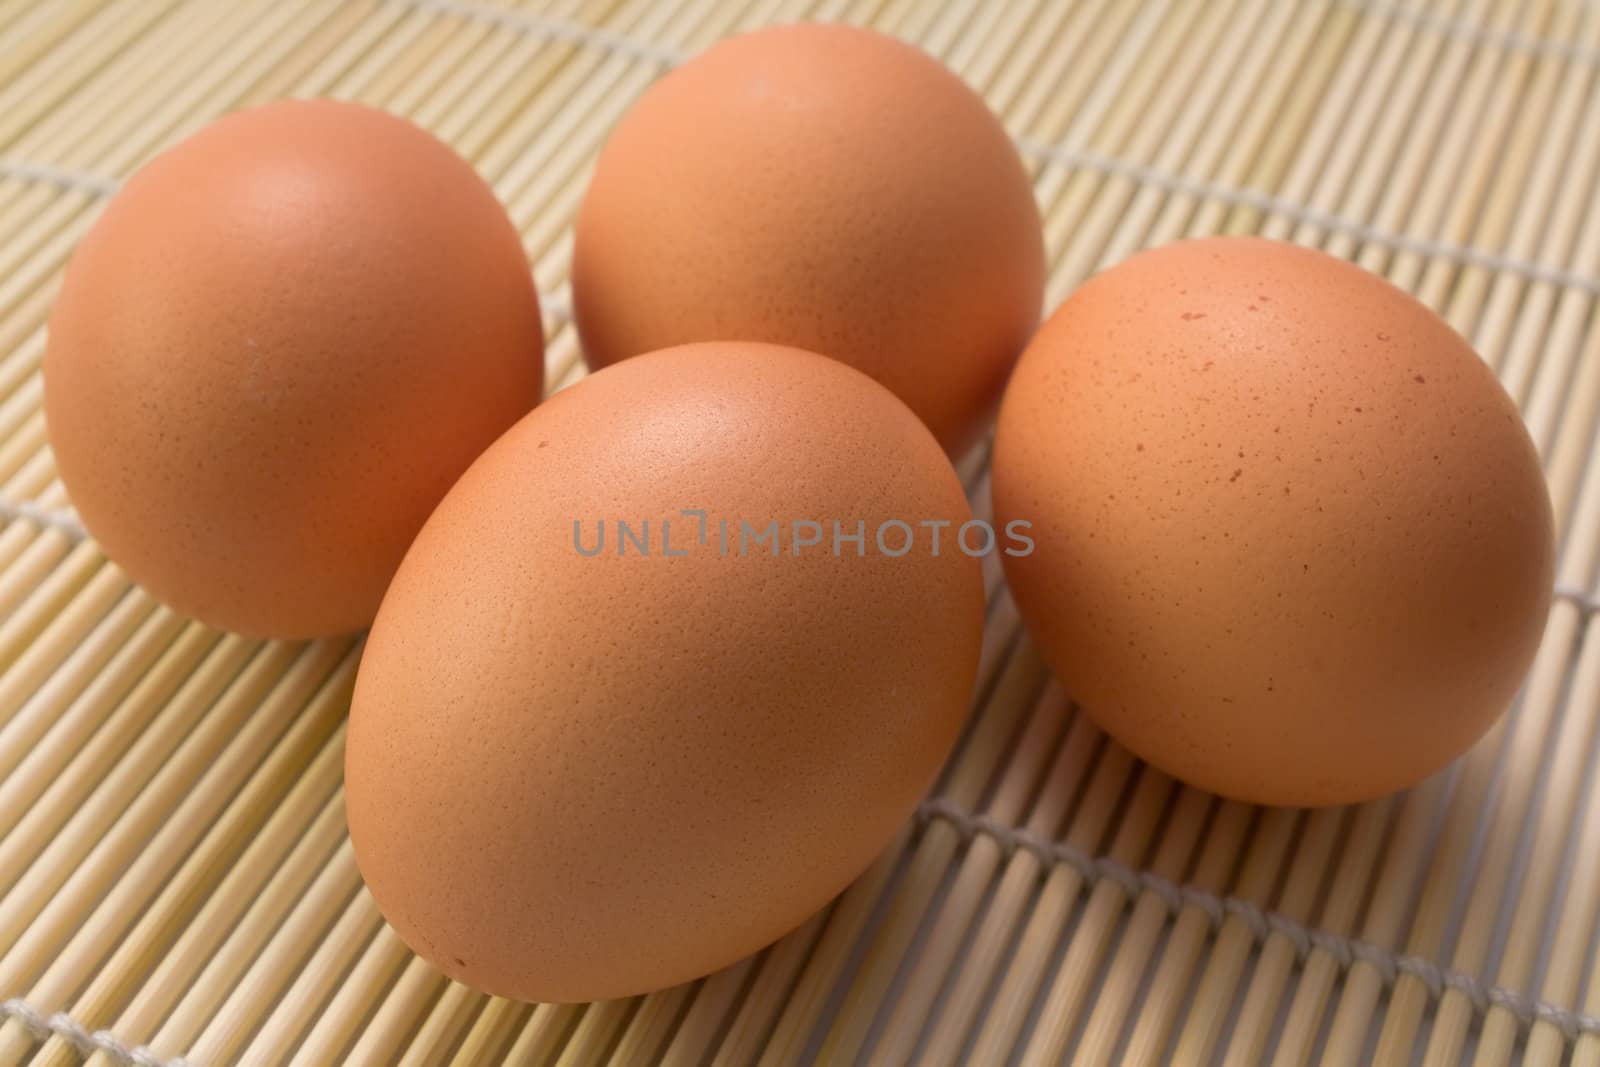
[85,605]
[453,1014]
[1275,49]
[1394,888]
[1007,804]
[1574,924]
[1066,996]
[27,32]
[651,1026]
[546,1030]
[255,895]
[23,445]
[31,596]
[1050,913]
[329,995]
[1512,221]
[491,1035]
[214,1020]
[711,1007]
[1364,68]
[23,541]
[80,729]
[201,775]
[161,709]
[403,1007]
[1180,99]
[212,779]
[70,655]
[259,814]
[1200,1036]
[1153,1024]
[1059,789]
[1344,897]
[23,402]
[1550,840]
[1105,122]
[1483,91]
[1353,109]
[1145,913]
[596,1032]
[1586,1052]
[42,88]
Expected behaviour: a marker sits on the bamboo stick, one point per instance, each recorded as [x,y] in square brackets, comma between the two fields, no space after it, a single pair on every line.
[1146,916]
[490,1037]
[964,895]
[246,905]
[71,653]
[1154,1024]
[203,771]
[146,725]
[258,815]
[341,980]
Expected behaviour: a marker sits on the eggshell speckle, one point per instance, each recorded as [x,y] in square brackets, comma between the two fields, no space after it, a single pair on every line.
[1293,542]
[574,777]
[825,187]
[274,353]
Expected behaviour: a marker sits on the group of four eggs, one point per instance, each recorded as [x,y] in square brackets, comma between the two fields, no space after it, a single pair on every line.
[662,662]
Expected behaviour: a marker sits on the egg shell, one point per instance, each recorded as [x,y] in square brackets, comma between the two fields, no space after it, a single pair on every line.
[575,777]
[273,354]
[1293,541]
[826,187]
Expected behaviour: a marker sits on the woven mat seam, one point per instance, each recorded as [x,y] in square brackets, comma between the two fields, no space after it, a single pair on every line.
[560,29]
[1346,951]
[88,1042]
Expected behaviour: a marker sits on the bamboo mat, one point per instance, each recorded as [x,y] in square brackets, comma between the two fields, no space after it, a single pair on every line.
[174,874]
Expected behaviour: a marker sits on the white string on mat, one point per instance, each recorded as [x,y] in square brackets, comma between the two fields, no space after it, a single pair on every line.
[1216,907]
[1505,40]
[1093,869]
[557,307]
[86,1041]
[555,28]
[64,519]
[77,180]
[1108,166]
[1585,601]
[560,29]
[1296,212]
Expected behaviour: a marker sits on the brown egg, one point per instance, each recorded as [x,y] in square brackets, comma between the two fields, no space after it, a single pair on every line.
[273,354]
[579,768]
[825,187]
[1292,540]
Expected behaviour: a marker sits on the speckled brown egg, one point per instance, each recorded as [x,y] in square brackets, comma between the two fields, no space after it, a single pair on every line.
[1293,544]
[625,716]
[274,353]
[826,187]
